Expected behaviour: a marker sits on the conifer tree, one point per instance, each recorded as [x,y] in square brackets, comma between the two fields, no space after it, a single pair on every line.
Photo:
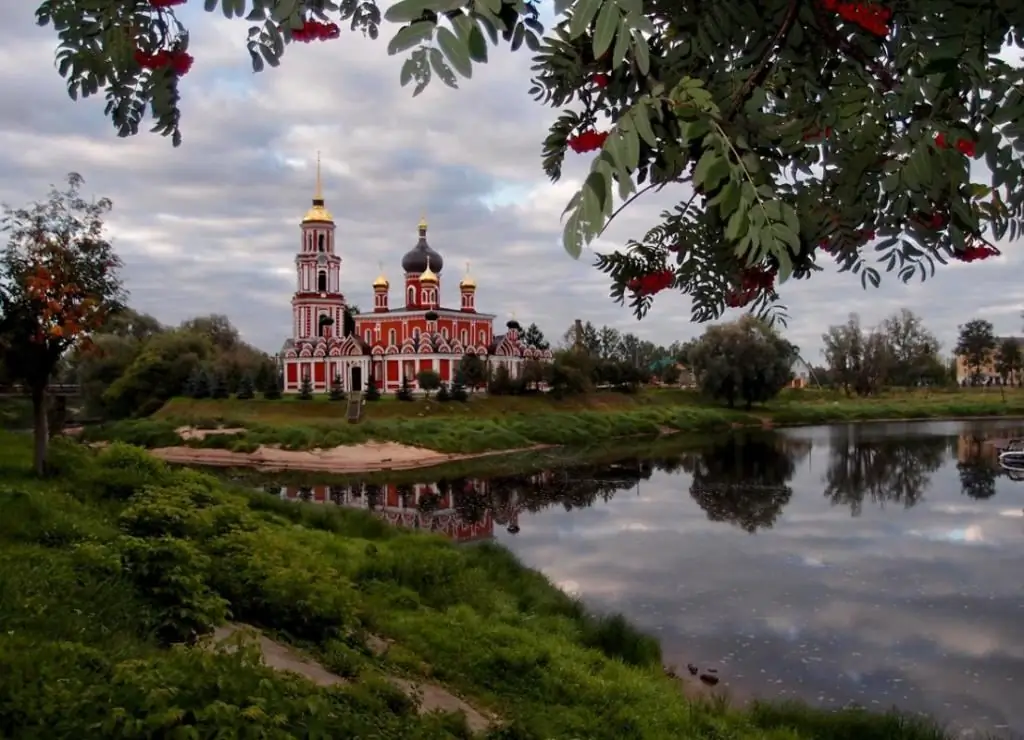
[306,389]
[372,392]
[198,384]
[218,385]
[272,390]
[246,391]
[337,392]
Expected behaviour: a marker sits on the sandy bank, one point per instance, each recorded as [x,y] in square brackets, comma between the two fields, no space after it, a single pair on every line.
[369,457]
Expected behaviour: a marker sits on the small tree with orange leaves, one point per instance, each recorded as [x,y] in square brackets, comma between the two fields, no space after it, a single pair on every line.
[58,283]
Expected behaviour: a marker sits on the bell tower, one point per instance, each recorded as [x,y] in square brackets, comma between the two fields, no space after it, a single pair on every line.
[318,305]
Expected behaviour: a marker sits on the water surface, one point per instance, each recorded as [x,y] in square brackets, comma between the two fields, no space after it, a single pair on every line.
[873,564]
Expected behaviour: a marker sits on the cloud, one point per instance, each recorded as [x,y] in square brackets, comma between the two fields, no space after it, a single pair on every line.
[213,225]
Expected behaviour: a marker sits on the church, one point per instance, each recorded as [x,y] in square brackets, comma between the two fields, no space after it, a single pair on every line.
[389,342]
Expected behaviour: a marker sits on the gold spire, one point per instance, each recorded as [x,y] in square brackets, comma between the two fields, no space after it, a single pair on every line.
[318,212]
[467,281]
[428,275]
[319,194]
[381,281]
[423,222]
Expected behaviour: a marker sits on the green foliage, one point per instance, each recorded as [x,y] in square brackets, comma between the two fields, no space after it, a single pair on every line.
[160,371]
[372,392]
[800,133]
[404,392]
[272,390]
[473,370]
[246,388]
[337,392]
[219,386]
[500,383]
[976,344]
[458,390]
[534,337]
[744,360]
[428,380]
[858,361]
[58,281]
[1009,361]
[198,383]
[306,389]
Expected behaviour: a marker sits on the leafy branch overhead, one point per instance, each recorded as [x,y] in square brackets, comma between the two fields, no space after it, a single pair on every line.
[883,136]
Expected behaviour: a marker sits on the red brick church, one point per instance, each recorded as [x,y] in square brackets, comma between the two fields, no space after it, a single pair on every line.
[391,341]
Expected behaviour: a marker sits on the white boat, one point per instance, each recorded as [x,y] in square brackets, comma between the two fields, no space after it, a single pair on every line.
[1011,456]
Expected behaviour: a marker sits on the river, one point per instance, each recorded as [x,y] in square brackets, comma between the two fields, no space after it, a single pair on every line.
[877,564]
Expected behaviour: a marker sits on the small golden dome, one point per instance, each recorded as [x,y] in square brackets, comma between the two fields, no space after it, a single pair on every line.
[318,213]
[381,282]
[428,276]
[467,281]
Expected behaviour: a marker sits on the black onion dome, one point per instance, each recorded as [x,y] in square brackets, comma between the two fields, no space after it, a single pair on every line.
[417,259]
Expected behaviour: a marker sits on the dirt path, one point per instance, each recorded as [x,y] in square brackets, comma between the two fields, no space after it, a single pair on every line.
[430,697]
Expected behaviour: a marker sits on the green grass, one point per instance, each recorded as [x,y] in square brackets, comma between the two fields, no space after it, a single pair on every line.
[505,423]
[105,566]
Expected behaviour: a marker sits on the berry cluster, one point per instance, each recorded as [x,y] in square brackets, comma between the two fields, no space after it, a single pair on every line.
[935,220]
[179,62]
[973,253]
[600,80]
[652,283]
[587,141]
[161,4]
[872,17]
[316,31]
[962,145]
[753,280]
[818,133]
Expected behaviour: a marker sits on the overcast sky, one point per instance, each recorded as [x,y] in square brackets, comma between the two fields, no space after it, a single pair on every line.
[213,225]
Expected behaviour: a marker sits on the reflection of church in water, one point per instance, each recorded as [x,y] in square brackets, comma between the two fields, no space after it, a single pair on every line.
[427,507]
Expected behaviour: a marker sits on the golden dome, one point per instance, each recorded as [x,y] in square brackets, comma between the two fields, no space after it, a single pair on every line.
[318,213]
[467,281]
[428,275]
[381,282]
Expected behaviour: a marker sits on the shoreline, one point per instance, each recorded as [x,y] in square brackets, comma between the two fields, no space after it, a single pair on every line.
[367,457]
[269,459]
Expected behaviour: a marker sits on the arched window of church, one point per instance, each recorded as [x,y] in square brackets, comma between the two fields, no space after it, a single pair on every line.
[444,332]
[483,337]
[320,246]
[463,336]
[391,337]
[321,281]
[415,333]
[412,295]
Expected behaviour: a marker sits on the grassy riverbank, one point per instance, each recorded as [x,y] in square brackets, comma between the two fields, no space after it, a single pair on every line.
[105,565]
[513,423]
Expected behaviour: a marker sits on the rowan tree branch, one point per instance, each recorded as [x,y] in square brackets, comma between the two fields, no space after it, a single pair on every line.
[828,30]
[765,65]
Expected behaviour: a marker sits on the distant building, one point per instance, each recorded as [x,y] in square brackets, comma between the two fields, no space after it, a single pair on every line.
[801,374]
[388,343]
[987,373]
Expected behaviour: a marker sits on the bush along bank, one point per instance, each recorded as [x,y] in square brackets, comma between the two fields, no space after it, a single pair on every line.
[107,567]
[546,427]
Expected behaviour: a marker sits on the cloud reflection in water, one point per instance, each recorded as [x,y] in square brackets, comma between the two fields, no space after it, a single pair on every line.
[879,564]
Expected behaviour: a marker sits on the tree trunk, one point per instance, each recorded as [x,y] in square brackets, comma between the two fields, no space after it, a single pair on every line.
[39,429]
